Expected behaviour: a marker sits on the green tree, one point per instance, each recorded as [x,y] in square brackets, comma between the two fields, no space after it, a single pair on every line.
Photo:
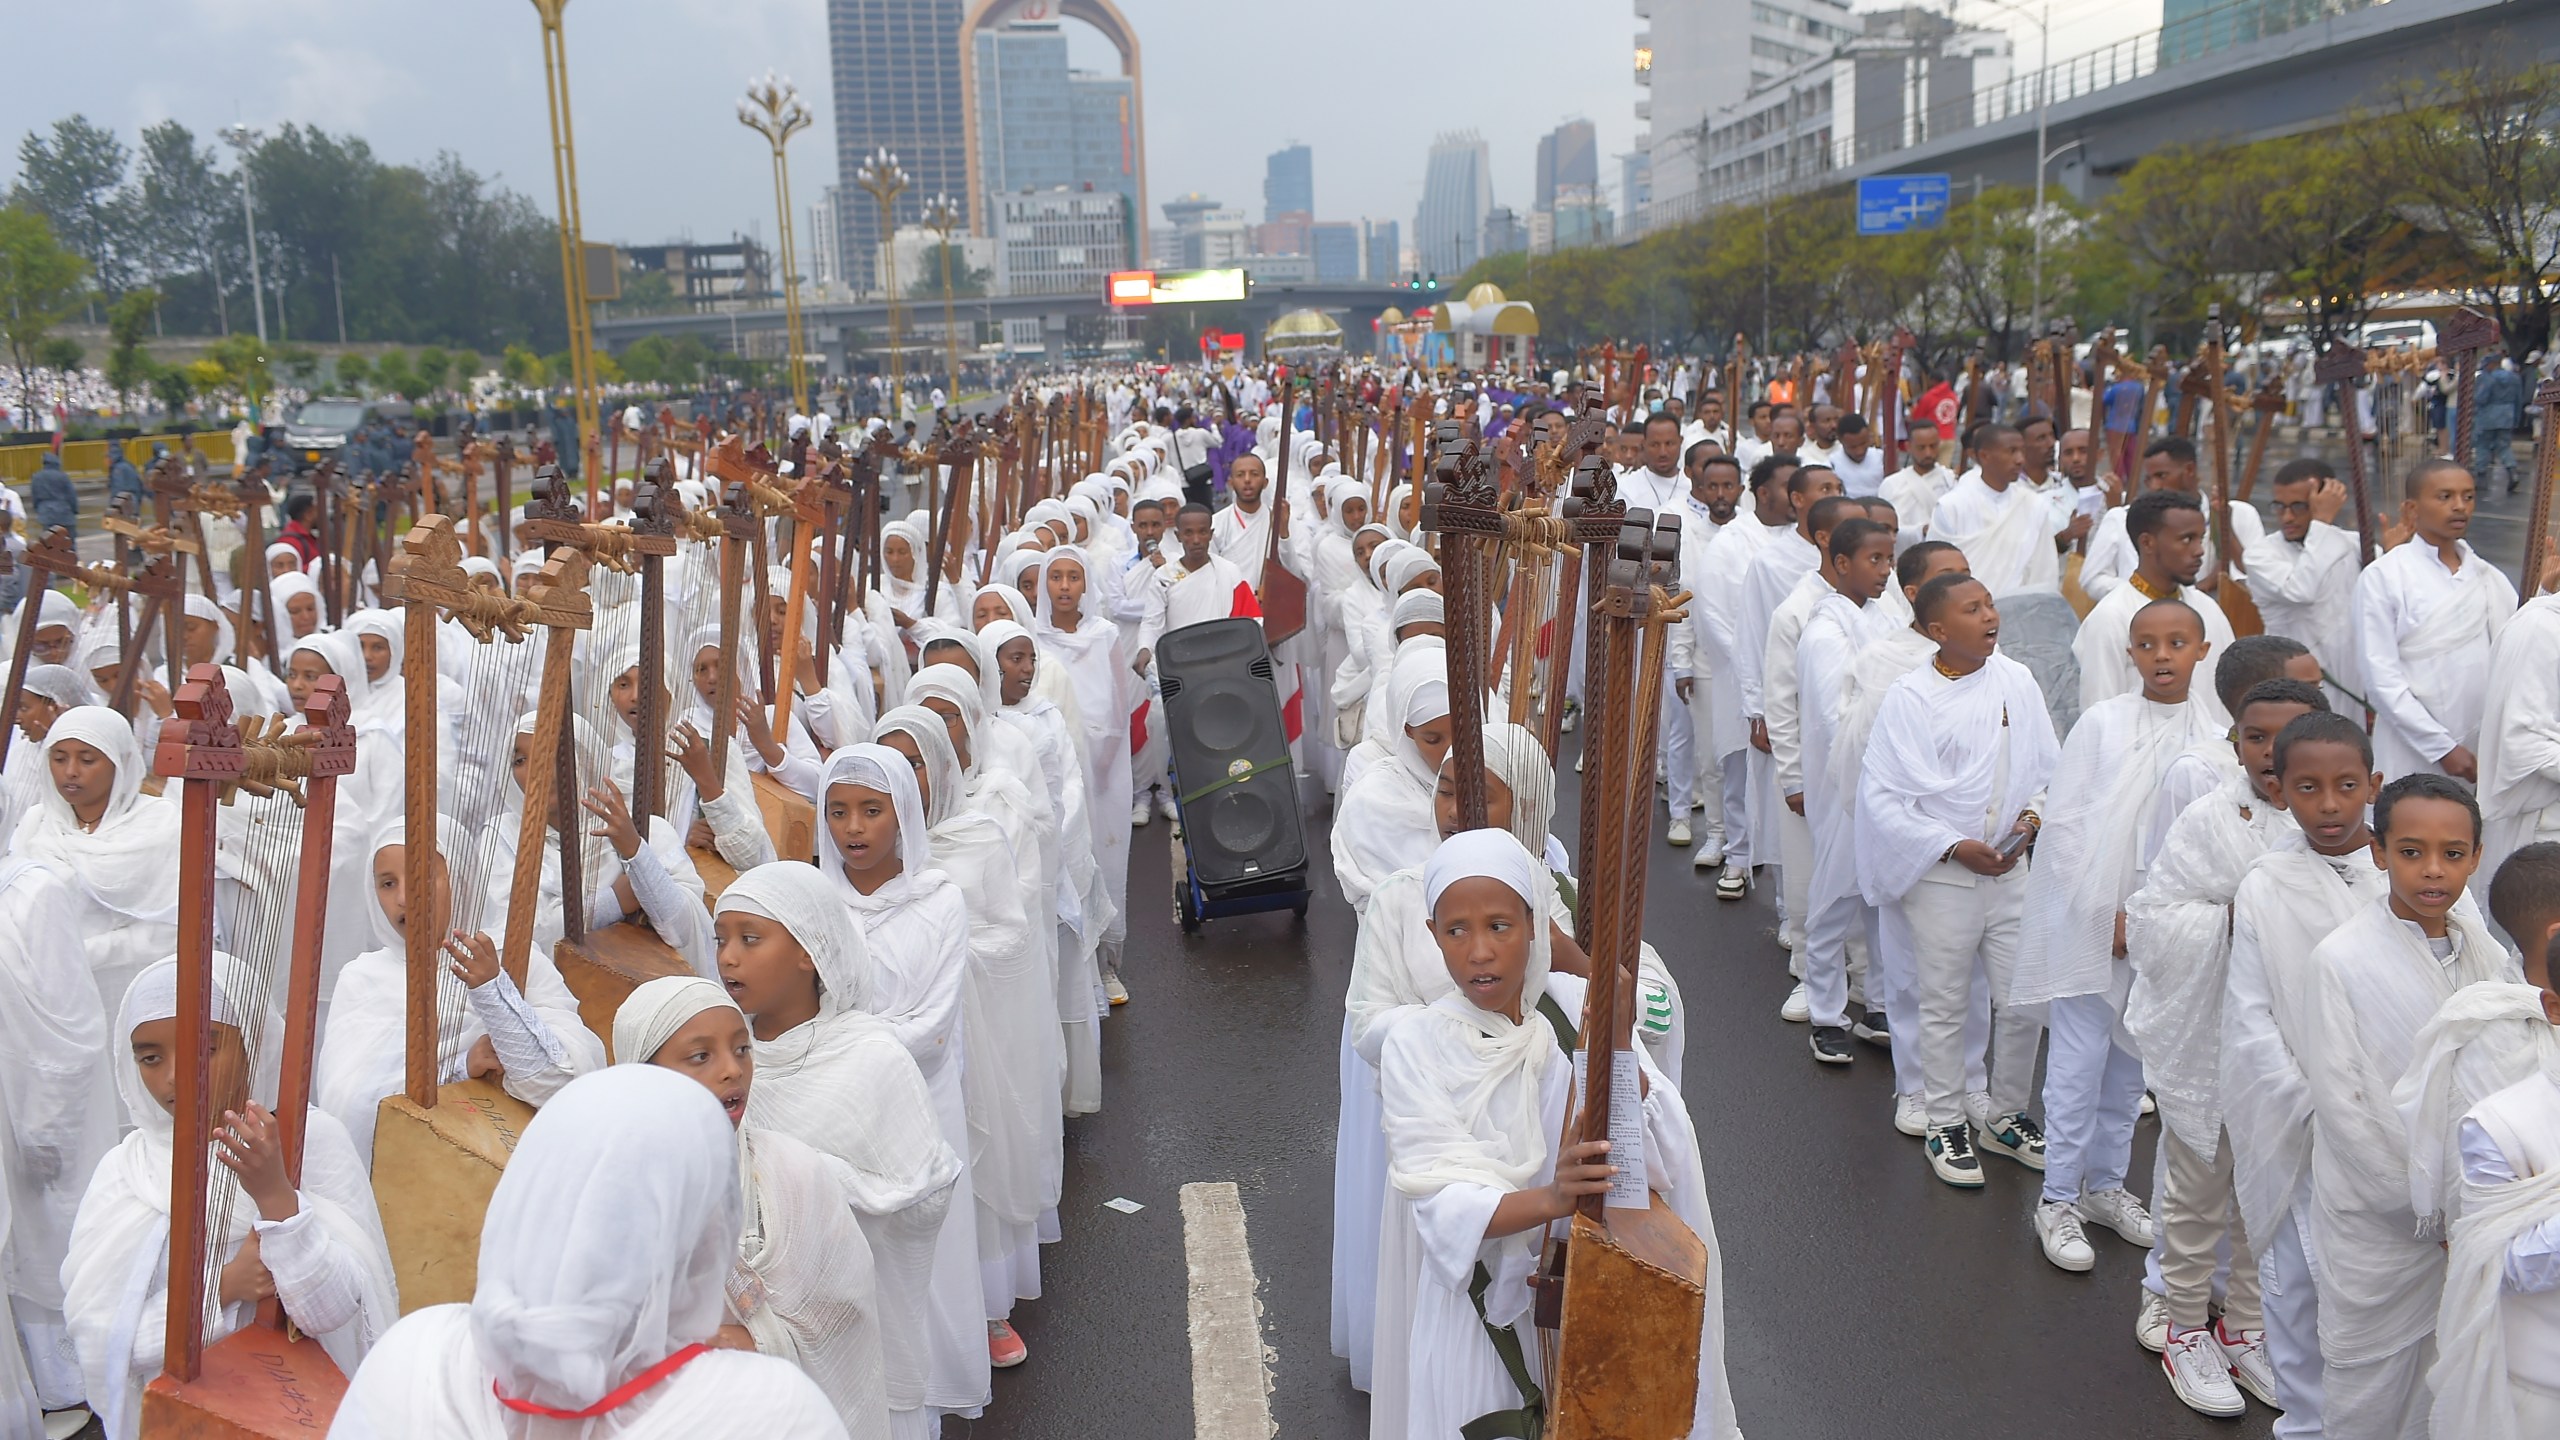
[186,216]
[391,373]
[299,362]
[244,368]
[73,180]
[432,367]
[964,280]
[129,366]
[171,387]
[2477,147]
[521,367]
[352,372]
[39,288]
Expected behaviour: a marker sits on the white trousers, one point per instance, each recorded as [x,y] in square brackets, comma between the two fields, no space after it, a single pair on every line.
[1680,749]
[1733,774]
[2385,1399]
[2092,1096]
[1795,875]
[1964,949]
[1893,988]
[2292,1305]
[1838,939]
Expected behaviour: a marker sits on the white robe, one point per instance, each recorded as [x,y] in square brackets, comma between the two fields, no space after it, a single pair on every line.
[2307,592]
[2520,735]
[2178,940]
[2423,638]
[2088,855]
[1447,1372]
[2106,671]
[1949,759]
[2006,536]
[1715,613]
[2353,1015]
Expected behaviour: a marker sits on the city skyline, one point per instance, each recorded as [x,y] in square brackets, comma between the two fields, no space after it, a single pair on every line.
[660,163]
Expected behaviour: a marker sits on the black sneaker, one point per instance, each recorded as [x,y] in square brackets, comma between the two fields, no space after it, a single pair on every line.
[1951,1156]
[1870,1027]
[1831,1044]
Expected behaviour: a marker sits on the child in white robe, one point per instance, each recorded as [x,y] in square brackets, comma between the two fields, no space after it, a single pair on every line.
[877,853]
[1385,821]
[2311,879]
[1010,1082]
[1955,766]
[528,1038]
[604,1262]
[804,1287]
[318,1249]
[1473,1086]
[117,845]
[2352,1015]
[2071,953]
[57,1117]
[2177,937]
[832,1075]
[1094,657]
[2497,1370]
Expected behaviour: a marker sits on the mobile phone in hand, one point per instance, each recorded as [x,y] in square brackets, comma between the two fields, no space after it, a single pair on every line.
[2018,841]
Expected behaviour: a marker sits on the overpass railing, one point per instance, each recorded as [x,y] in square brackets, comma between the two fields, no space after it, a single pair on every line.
[1805,155]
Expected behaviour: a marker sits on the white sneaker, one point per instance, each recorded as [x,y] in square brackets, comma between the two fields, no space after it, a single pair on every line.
[1679,835]
[2149,1105]
[2151,1322]
[2199,1375]
[2058,1231]
[1787,938]
[2246,1352]
[2119,1211]
[1977,1108]
[1734,883]
[1710,851]
[1798,1009]
[1168,809]
[1140,814]
[1911,1115]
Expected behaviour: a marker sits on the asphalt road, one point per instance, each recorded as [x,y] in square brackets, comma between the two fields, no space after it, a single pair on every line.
[1862,1297]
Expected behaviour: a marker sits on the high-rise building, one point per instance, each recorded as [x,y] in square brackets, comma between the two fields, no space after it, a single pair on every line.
[1205,235]
[1289,182]
[1043,125]
[826,242]
[1691,57]
[1567,155]
[1337,251]
[1503,232]
[903,81]
[1061,241]
[1381,254]
[1291,232]
[1457,191]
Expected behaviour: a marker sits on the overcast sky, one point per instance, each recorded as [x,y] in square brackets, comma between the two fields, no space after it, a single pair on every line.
[1367,83]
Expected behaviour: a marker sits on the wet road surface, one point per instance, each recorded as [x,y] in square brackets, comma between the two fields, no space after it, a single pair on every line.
[1862,1297]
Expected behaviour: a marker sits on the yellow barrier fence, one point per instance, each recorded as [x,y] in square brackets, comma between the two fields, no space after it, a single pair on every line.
[88,458]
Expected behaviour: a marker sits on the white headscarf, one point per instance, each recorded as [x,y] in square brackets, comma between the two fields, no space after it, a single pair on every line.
[877,767]
[799,898]
[129,863]
[1477,1070]
[607,1243]
[656,1009]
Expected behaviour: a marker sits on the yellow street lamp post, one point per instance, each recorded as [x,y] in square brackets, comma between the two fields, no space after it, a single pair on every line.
[881,176]
[942,213]
[573,250]
[772,108]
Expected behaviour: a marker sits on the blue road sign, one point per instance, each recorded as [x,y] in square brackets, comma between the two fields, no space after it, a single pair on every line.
[1892,204]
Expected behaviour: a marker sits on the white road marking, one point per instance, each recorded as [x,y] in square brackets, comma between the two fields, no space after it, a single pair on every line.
[1230,1367]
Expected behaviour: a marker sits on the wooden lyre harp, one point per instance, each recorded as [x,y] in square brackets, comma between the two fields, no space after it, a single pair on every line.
[2233,596]
[603,966]
[1629,1281]
[265,1380]
[2343,365]
[1282,595]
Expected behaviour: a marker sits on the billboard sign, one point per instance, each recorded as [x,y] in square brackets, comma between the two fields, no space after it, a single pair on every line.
[1175,287]
[1893,204]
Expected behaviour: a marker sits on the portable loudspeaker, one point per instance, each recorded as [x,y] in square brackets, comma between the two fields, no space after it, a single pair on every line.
[1231,767]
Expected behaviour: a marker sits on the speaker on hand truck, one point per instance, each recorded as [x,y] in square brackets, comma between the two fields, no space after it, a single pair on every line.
[1245,842]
